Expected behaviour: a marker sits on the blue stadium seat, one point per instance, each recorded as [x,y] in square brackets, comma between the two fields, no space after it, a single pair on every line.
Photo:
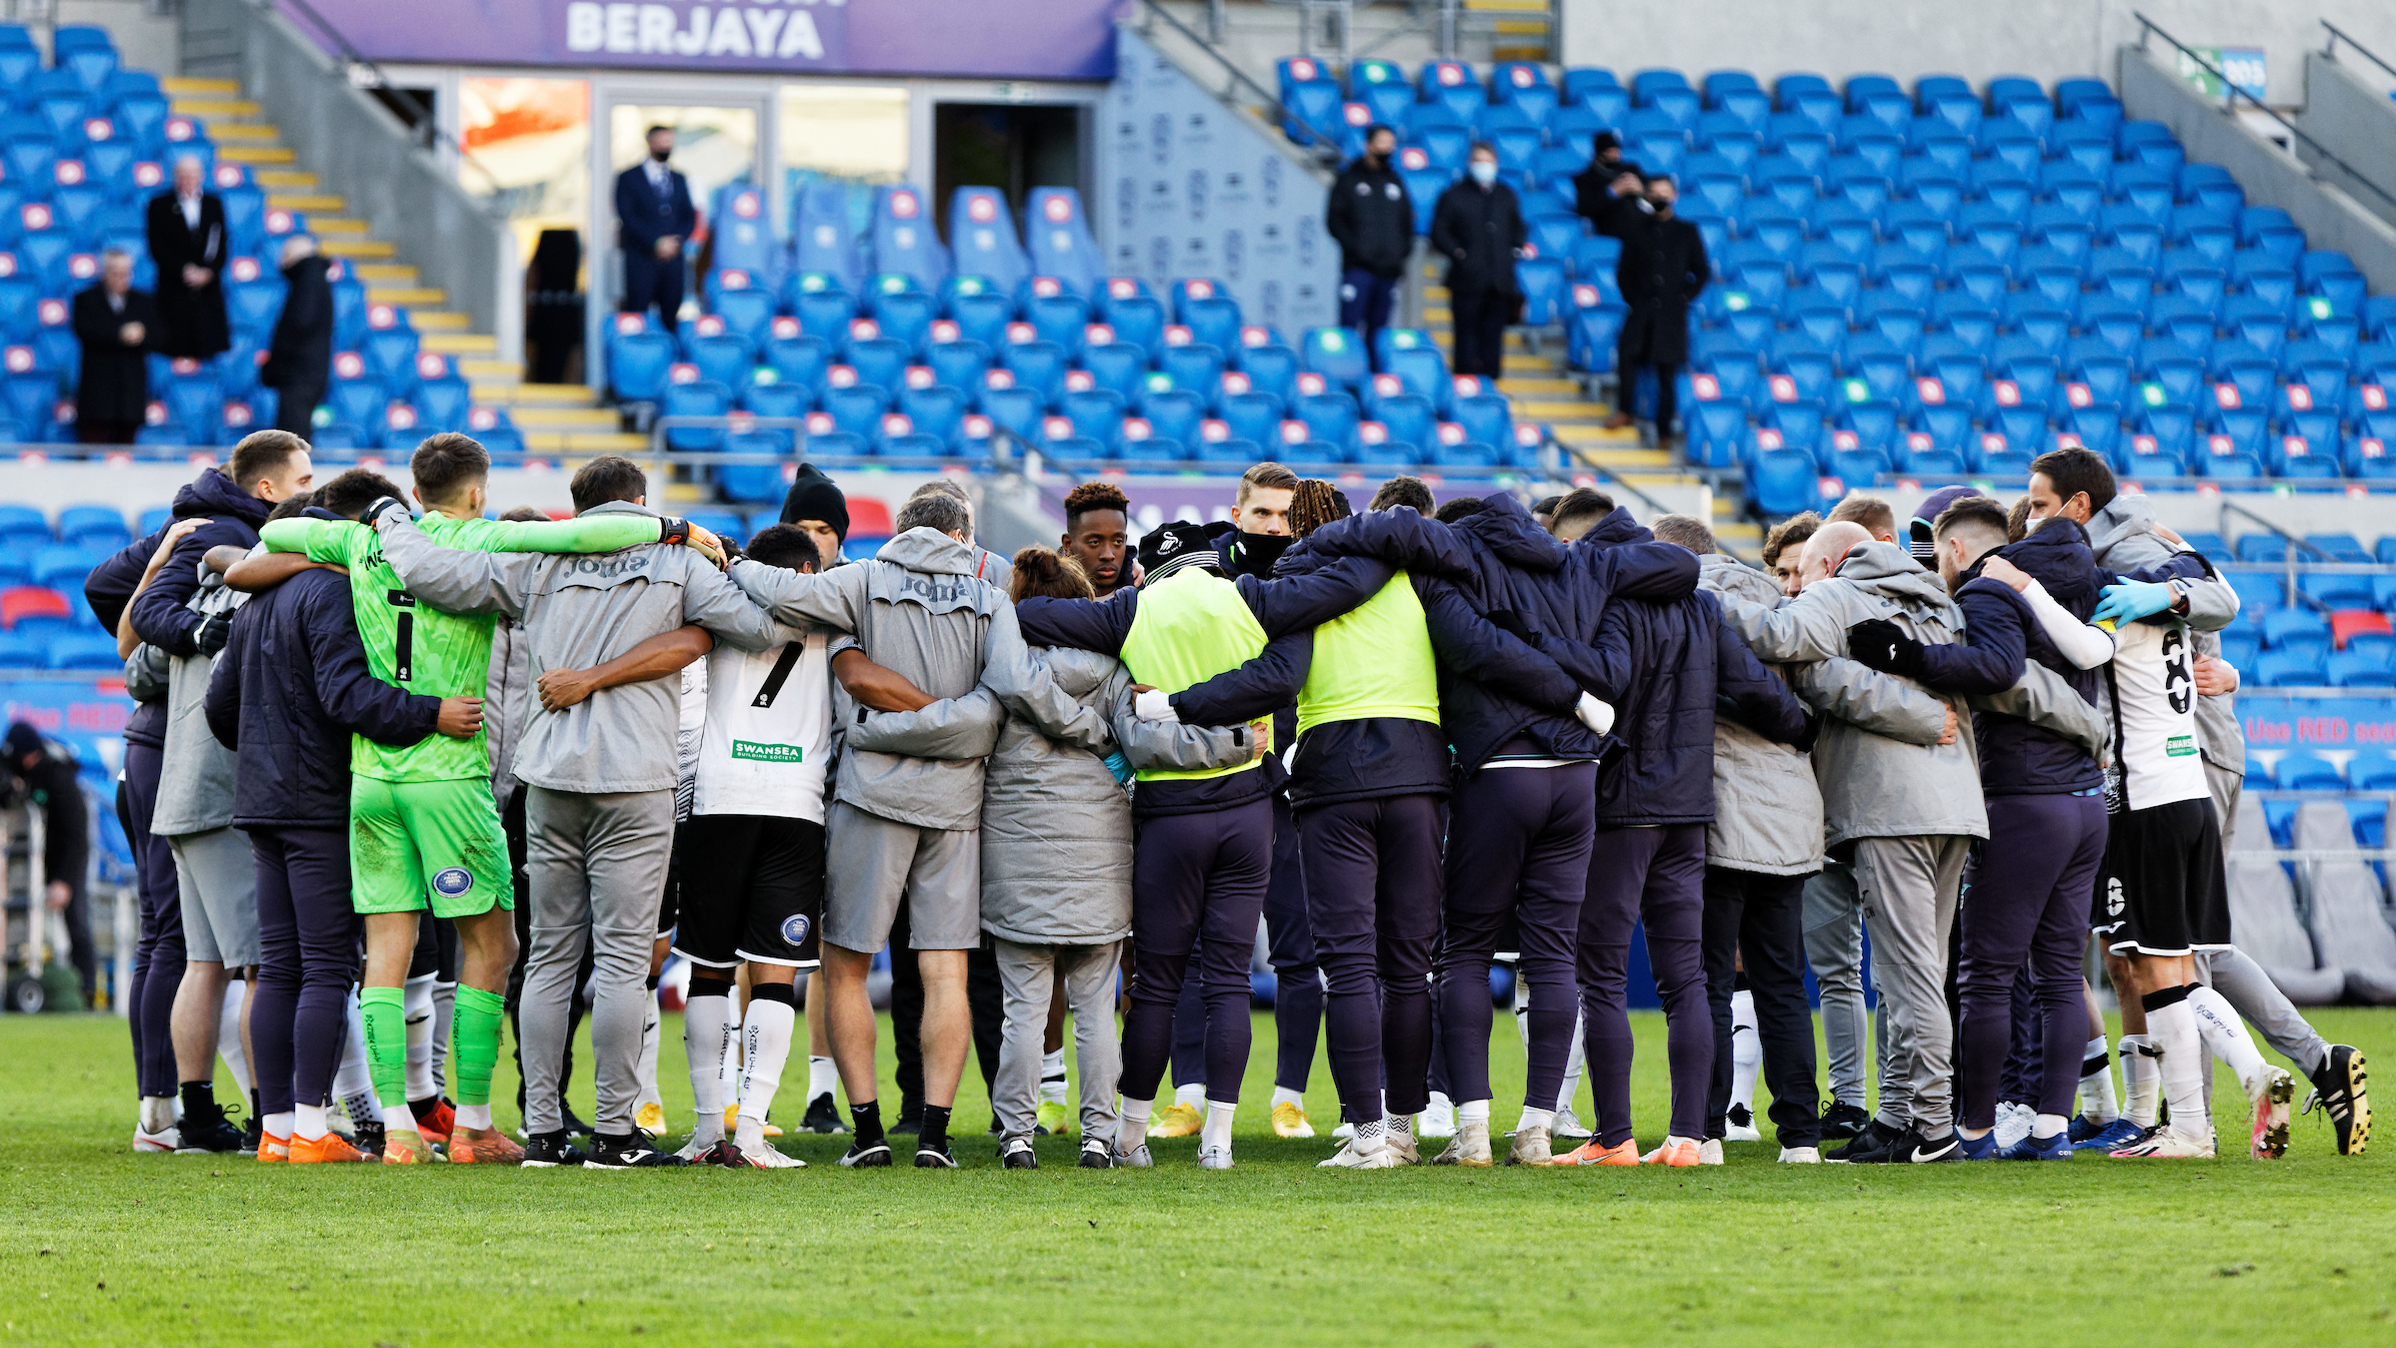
[982,237]
[1057,237]
[903,239]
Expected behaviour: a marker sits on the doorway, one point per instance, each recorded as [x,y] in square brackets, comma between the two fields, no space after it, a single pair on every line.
[1013,147]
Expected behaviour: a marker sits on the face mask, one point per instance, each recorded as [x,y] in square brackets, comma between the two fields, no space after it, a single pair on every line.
[1483,172]
[661,156]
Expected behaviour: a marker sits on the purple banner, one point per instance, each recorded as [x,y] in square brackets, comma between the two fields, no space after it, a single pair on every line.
[1016,39]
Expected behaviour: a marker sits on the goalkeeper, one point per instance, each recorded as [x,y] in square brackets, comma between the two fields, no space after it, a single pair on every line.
[424,831]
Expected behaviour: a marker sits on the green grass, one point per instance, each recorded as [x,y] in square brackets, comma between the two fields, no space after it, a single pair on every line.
[102,1246]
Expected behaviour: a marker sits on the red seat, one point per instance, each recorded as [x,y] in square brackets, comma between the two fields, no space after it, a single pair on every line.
[2344,624]
[869,518]
[32,601]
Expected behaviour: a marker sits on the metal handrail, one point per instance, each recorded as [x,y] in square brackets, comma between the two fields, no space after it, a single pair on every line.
[1326,148]
[2296,598]
[2338,35]
[2233,93]
[426,124]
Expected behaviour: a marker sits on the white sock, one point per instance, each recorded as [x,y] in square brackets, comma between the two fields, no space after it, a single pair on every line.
[398,1118]
[445,1005]
[1192,1095]
[823,1078]
[1283,1095]
[2142,1081]
[1053,1082]
[416,999]
[1398,1125]
[1746,1050]
[1439,1101]
[727,1063]
[1217,1132]
[157,1113]
[2047,1125]
[1132,1132]
[2184,1067]
[280,1125]
[765,1050]
[2226,1038]
[650,1034]
[1472,1111]
[476,1117]
[2097,1100]
[706,1024]
[306,1123]
[1536,1118]
[1370,1137]
[1572,1068]
[228,1036]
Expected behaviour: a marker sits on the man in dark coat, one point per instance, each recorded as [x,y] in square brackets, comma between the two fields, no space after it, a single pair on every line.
[1663,268]
[654,216]
[117,325]
[1478,227]
[41,772]
[299,357]
[1593,187]
[291,689]
[188,244]
[1371,218]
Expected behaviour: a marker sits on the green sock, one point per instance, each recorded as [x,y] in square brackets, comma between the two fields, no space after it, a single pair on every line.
[474,1023]
[386,1019]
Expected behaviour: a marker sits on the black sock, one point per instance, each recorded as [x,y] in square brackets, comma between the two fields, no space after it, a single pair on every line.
[199,1099]
[934,1136]
[867,1120]
[423,1108]
[255,1112]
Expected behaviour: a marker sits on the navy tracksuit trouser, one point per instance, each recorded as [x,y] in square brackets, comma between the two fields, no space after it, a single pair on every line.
[1518,848]
[1653,877]
[1372,895]
[1198,889]
[308,956]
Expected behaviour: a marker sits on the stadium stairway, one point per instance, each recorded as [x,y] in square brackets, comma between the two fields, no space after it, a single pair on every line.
[555,418]
[1544,390]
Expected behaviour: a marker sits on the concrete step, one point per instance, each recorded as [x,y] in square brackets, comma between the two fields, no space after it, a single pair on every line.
[247,133]
[439,320]
[1539,7]
[356,248]
[255,154]
[553,417]
[589,442]
[1518,386]
[346,226]
[307,201]
[414,297]
[291,180]
[211,110]
[491,369]
[1649,459]
[384,273]
[533,395]
[181,85]
[1595,433]
[460,343]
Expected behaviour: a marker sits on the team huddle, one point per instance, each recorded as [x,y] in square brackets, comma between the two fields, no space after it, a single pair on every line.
[397,779]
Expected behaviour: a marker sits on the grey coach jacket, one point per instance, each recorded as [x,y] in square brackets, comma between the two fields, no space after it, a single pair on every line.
[579,611]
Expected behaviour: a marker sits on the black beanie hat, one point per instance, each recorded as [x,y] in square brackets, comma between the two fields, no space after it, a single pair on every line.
[22,739]
[813,496]
[1174,545]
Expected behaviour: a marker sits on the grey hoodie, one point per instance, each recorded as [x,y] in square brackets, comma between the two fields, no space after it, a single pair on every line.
[2123,537]
[1767,807]
[917,609]
[1874,786]
[579,611]
[1056,825]
[197,775]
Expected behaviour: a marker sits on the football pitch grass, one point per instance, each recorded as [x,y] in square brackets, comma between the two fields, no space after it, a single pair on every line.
[102,1246]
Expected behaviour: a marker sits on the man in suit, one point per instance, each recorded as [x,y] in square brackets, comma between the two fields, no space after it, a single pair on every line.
[116,325]
[1478,225]
[653,216]
[188,244]
[299,357]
